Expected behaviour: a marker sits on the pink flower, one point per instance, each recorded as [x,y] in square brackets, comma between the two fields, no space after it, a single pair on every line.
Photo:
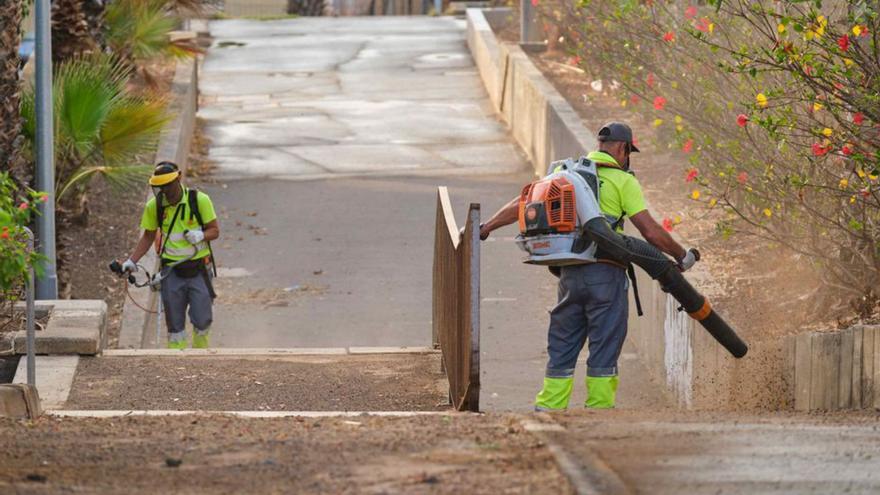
[634,99]
[669,36]
[741,120]
[650,80]
[534,3]
[819,150]
[846,150]
[703,25]
[687,147]
[843,42]
[659,103]
[858,118]
[23,206]
[44,198]
[4,235]
[667,224]
[576,60]
[690,12]
[742,178]
[692,174]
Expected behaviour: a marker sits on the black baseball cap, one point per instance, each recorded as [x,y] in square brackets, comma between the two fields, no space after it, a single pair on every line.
[617,131]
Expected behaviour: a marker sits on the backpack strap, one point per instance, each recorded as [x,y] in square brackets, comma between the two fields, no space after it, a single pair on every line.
[192,200]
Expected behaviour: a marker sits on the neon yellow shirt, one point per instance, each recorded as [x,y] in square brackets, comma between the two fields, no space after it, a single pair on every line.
[177,247]
[619,191]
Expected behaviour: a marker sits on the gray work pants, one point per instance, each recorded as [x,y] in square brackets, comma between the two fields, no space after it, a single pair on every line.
[178,293]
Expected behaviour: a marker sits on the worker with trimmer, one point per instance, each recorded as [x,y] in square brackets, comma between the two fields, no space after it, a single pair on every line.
[187,222]
[592,304]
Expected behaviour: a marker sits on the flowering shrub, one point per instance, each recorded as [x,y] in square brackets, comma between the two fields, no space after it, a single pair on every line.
[15,259]
[776,105]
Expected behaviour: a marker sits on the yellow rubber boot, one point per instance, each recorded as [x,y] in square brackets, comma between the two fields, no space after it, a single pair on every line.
[601,392]
[200,341]
[555,394]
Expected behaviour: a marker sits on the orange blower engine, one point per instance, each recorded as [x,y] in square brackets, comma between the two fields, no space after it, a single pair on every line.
[548,221]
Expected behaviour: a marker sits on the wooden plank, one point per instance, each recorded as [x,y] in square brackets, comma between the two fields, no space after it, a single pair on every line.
[857,368]
[844,392]
[789,345]
[824,371]
[867,367]
[876,378]
[802,371]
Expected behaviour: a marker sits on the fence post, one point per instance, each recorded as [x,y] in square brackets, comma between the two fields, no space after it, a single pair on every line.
[29,295]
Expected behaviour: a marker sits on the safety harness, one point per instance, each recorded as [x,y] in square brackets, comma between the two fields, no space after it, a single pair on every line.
[194,213]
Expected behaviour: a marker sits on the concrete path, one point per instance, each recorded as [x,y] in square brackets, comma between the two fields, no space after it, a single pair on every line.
[330,138]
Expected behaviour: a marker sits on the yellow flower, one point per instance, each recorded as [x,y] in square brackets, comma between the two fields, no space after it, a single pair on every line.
[848,62]
[722,174]
[780,28]
[695,194]
[872,176]
[623,103]
[852,199]
[761,98]
[658,122]
[860,173]
[679,128]
[827,132]
[843,183]
[768,212]
[674,84]
[678,119]
[713,202]
[676,220]
[817,106]
[857,30]
[711,27]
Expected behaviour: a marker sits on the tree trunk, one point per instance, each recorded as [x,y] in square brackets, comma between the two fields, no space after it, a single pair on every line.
[10,90]
[305,7]
[71,33]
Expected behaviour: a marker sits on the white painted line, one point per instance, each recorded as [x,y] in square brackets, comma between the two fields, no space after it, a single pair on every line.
[222,351]
[250,414]
[54,378]
[392,350]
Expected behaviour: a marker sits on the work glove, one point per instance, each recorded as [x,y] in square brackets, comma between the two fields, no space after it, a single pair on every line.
[689,260]
[129,266]
[483,236]
[194,236]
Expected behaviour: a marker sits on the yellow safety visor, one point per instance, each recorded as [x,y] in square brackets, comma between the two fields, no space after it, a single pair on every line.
[161,180]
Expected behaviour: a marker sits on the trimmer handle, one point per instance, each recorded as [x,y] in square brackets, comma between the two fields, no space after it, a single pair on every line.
[116,267]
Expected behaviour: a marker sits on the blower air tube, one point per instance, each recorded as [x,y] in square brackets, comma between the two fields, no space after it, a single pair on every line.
[625,249]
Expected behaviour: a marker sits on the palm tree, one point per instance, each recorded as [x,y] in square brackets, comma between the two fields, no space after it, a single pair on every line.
[10,90]
[71,33]
[100,129]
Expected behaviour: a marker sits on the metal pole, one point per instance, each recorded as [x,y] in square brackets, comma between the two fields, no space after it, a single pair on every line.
[158,320]
[47,286]
[31,358]
[526,22]
[438,7]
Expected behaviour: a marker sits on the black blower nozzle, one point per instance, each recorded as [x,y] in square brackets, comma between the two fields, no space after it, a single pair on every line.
[625,249]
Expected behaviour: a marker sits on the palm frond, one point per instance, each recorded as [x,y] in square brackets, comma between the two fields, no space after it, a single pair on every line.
[132,128]
[121,177]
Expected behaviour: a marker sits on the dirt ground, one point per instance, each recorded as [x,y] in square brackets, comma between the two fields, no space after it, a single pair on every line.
[397,382]
[221,454]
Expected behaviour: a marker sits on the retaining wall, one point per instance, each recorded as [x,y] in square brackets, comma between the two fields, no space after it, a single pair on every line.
[673,346]
[174,145]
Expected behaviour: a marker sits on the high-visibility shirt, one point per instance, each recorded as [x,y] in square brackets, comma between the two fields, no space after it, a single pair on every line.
[176,245]
[619,191]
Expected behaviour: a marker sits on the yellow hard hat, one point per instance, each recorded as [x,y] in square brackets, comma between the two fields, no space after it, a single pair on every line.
[164,173]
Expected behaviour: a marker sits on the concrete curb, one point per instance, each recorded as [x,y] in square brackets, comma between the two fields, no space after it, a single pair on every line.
[253,414]
[174,145]
[269,352]
[19,401]
[588,475]
[76,326]
[55,375]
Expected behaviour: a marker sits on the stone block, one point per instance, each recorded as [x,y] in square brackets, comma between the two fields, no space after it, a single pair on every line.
[19,401]
[76,326]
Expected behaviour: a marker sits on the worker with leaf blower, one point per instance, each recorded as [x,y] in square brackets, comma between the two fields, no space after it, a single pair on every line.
[592,295]
[187,223]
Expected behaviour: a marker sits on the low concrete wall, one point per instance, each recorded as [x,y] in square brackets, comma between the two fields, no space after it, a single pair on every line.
[75,326]
[673,346]
[174,145]
[836,370]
